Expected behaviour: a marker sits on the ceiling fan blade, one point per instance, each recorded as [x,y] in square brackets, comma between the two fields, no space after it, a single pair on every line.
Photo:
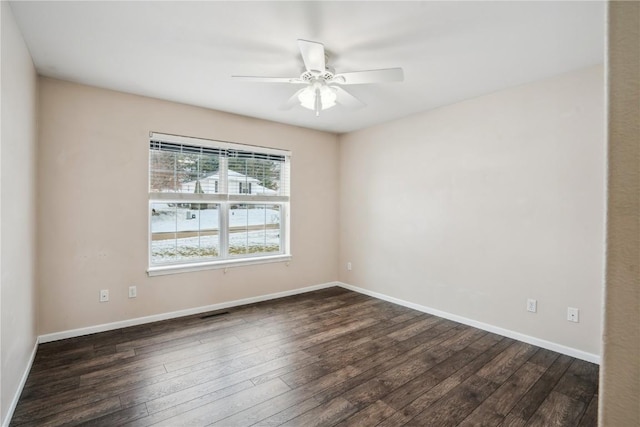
[346,99]
[370,76]
[293,101]
[312,55]
[258,79]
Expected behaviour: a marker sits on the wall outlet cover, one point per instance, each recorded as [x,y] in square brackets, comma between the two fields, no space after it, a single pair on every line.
[573,314]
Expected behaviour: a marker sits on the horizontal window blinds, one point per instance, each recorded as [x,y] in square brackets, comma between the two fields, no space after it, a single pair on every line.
[195,166]
[223,152]
[181,148]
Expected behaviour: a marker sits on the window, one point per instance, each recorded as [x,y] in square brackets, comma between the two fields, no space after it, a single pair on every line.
[215,204]
[245,189]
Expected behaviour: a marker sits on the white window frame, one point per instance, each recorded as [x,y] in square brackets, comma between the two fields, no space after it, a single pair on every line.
[225,200]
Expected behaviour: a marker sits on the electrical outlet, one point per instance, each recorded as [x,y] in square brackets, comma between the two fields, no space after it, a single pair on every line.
[104,295]
[349,266]
[133,291]
[532,305]
[573,314]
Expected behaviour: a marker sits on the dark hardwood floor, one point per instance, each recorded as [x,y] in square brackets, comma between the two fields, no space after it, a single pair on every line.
[331,357]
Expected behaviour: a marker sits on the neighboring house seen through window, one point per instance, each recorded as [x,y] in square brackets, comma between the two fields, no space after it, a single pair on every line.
[212,204]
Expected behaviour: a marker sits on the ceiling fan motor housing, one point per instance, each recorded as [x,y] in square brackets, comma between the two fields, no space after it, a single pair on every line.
[309,76]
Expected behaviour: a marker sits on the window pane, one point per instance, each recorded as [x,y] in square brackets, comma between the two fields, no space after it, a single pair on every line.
[184,231]
[197,173]
[254,229]
[162,171]
[254,176]
[183,172]
[209,176]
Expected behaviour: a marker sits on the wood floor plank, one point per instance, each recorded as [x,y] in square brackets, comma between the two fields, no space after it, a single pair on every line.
[513,421]
[590,416]
[496,407]
[236,370]
[91,393]
[222,382]
[505,364]
[65,402]
[174,381]
[385,382]
[328,357]
[227,406]
[211,358]
[385,360]
[297,364]
[285,415]
[34,390]
[118,418]
[327,414]
[345,353]
[558,410]
[204,328]
[270,408]
[580,381]
[395,420]
[532,399]
[75,416]
[512,390]
[344,342]
[183,408]
[370,416]
[207,350]
[414,328]
[544,357]
[47,360]
[373,350]
[113,377]
[80,367]
[426,389]
[456,405]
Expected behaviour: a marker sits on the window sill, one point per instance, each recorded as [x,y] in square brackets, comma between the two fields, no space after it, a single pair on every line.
[213,265]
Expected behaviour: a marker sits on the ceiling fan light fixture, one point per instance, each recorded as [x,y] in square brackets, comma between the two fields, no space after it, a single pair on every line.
[323,88]
[307,97]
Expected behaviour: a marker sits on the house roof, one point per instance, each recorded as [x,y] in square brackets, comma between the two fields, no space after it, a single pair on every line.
[231,174]
[209,180]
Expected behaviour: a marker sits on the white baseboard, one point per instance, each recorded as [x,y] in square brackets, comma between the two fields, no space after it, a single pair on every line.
[569,351]
[174,314]
[23,381]
[559,348]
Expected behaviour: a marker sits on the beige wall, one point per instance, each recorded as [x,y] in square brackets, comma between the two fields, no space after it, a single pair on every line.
[620,369]
[93,204]
[473,208]
[17,177]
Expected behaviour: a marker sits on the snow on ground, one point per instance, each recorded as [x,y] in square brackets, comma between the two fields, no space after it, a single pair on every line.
[172,219]
[172,250]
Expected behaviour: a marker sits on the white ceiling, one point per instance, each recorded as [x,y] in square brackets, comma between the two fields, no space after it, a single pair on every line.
[187,51]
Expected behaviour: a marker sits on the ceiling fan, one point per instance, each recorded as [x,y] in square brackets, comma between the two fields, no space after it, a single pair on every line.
[322,85]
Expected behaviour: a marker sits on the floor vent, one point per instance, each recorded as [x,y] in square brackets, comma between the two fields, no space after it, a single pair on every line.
[208,316]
